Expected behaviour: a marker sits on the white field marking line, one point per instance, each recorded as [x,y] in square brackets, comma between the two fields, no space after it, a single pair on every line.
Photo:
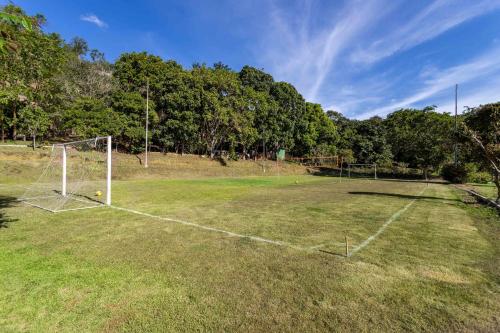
[60,210]
[199,226]
[38,206]
[79,208]
[394,217]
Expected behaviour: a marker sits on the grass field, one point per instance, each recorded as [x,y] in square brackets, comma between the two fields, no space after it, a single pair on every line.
[230,251]
[488,190]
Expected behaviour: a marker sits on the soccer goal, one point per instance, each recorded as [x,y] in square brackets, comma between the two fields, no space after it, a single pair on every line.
[78,176]
[362,170]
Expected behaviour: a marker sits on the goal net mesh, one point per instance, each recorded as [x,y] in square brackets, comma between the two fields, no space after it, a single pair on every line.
[362,171]
[86,170]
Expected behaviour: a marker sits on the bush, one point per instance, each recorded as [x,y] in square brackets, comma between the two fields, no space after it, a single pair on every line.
[475,175]
[480,177]
[454,173]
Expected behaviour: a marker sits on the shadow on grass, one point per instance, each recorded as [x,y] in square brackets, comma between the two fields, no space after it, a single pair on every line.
[421,181]
[333,253]
[5,202]
[79,196]
[482,185]
[403,196]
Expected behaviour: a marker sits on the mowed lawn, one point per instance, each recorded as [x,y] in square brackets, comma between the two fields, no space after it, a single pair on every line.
[303,211]
[432,264]
[489,190]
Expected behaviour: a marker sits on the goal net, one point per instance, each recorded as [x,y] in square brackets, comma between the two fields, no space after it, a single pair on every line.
[78,176]
[362,170]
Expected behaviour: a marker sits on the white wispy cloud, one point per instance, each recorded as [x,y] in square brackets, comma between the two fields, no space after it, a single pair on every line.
[437,18]
[472,96]
[92,18]
[319,49]
[482,68]
[305,56]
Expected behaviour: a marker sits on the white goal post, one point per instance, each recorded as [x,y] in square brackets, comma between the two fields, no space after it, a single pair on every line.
[77,176]
[360,168]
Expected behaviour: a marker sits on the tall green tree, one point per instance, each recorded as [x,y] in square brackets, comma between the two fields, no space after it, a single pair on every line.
[28,75]
[369,143]
[34,121]
[88,117]
[130,107]
[178,125]
[12,19]
[83,77]
[421,138]
[320,136]
[346,131]
[256,79]
[219,91]
[482,126]
[287,117]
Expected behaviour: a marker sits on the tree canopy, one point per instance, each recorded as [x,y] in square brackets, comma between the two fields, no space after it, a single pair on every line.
[58,90]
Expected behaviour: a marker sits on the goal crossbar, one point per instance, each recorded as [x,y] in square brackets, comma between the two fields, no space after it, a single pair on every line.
[61,144]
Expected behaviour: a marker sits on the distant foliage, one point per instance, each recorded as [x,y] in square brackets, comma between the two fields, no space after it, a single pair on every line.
[481,127]
[454,173]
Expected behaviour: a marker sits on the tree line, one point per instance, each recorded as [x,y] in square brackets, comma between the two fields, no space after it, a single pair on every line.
[58,90]
[51,89]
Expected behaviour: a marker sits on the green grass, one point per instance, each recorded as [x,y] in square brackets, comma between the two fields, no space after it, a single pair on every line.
[434,268]
[489,190]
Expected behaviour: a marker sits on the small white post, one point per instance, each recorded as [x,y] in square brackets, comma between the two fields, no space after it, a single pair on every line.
[108,177]
[64,171]
[375,171]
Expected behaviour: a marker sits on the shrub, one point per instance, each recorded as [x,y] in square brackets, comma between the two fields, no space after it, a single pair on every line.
[475,175]
[454,173]
[480,177]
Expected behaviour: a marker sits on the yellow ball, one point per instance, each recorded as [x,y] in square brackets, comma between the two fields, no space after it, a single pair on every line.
[296,182]
[98,193]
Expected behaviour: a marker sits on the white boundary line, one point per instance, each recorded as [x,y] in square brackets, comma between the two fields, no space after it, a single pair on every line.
[27,202]
[394,217]
[199,226]
[60,210]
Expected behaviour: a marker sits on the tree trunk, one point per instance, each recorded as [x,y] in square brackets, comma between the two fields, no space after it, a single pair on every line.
[34,141]
[14,121]
[3,134]
[497,183]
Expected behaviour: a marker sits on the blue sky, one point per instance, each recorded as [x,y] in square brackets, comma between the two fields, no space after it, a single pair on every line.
[362,58]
